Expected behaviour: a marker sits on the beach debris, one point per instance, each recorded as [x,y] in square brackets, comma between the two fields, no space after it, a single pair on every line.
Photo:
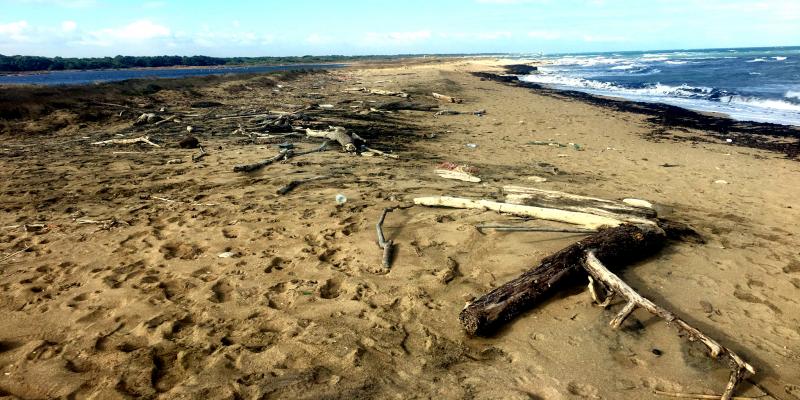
[189,129]
[456,175]
[297,182]
[141,139]
[446,98]
[537,179]
[165,120]
[461,172]
[340,199]
[619,245]
[227,254]
[446,112]
[586,220]
[174,161]
[189,142]
[380,92]
[386,245]
[638,203]
[511,228]
[326,106]
[368,151]
[284,155]
[147,118]
[592,205]
[668,165]
[336,133]
[616,286]
[198,157]
[472,145]
[721,182]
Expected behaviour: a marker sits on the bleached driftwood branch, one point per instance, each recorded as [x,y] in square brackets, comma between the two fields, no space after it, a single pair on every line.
[446,98]
[142,139]
[589,221]
[568,201]
[457,175]
[336,133]
[284,155]
[617,286]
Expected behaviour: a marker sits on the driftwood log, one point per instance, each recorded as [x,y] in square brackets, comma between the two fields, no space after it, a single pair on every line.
[567,201]
[616,246]
[335,133]
[586,220]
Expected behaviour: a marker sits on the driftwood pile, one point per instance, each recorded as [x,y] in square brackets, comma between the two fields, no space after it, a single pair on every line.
[620,233]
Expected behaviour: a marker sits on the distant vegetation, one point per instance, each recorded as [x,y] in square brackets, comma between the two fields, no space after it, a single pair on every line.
[33,63]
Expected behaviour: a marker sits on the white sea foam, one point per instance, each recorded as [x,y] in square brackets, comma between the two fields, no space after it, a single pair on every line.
[792,94]
[780,58]
[625,67]
[676,62]
[755,60]
[695,98]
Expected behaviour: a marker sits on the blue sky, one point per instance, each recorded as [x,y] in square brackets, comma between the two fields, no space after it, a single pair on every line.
[298,27]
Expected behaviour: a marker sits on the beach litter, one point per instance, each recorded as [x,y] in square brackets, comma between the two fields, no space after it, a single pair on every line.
[461,172]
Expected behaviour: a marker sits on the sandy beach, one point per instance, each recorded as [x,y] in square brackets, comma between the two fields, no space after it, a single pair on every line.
[130,271]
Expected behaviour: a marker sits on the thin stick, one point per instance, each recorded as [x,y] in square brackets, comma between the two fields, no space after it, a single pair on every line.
[200,156]
[381,153]
[142,139]
[282,156]
[293,184]
[738,366]
[702,396]
[386,245]
[13,254]
[507,228]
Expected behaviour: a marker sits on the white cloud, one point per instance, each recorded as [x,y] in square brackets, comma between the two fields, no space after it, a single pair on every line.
[142,29]
[14,31]
[544,35]
[69,26]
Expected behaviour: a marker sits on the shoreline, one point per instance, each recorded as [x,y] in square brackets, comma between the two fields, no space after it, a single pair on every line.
[721,127]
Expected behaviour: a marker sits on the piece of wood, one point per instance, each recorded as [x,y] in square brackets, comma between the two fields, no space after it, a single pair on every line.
[589,221]
[449,99]
[595,267]
[507,228]
[381,153]
[386,245]
[198,157]
[293,184]
[568,201]
[336,133]
[142,139]
[284,155]
[617,246]
[703,396]
[457,175]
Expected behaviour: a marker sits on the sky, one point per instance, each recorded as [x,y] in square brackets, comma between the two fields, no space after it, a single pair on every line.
[89,28]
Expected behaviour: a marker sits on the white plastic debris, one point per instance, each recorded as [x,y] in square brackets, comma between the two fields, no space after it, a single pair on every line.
[227,254]
[341,199]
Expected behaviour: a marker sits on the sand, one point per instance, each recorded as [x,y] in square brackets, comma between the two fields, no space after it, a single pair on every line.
[143,306]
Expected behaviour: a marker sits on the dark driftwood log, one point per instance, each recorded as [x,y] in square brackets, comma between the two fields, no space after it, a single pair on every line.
[613,246]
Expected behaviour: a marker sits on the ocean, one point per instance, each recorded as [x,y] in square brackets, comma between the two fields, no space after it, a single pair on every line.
[750,84]
[109,75]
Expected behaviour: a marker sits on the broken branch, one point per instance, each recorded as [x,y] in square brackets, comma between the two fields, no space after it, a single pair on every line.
[284,155]
[142,139]
[446,98]
[386,245]
[335,133]
[595,267]
[293,184]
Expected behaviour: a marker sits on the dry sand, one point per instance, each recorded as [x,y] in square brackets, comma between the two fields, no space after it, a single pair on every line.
[145,308]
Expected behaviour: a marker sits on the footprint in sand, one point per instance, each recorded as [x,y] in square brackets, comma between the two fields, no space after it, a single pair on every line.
[184,251]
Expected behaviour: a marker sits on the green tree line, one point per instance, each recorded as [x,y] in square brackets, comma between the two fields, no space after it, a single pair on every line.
[34,63]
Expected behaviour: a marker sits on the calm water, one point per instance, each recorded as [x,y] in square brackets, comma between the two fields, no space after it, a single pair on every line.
[107,75]
[756,84]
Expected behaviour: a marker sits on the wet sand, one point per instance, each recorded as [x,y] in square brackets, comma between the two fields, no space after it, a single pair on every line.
[141,305]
